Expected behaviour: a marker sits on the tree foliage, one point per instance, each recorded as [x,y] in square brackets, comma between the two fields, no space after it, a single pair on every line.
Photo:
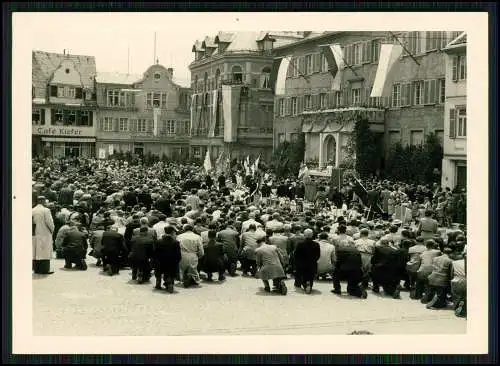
[288,156]
[366,147]
[415,163]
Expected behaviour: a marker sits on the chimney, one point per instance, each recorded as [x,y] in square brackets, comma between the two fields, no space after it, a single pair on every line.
[170,72]
[64,52]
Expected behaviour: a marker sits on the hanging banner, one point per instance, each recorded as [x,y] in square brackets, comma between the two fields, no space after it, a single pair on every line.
[274,72]
[335,59]
[110,149]
[279,89]
[389,53]
[207,164]
[211,131]
[156,114]
[231,110]
[192,109]
[102,153]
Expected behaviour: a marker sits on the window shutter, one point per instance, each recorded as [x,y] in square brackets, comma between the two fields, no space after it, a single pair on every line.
[331,99]
[287,106]
[289,70]
[453,118]
[133,125]
[353,55]
[409,93]
[454,69]
[276,107]
[302,65]
[403,95]
[300,104]
[433,91]
[426,92]
[116,123]
[369,51]
[149,125]
[101,124]
[345,97]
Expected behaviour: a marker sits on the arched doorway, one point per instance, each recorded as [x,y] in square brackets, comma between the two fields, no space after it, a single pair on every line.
[329,151]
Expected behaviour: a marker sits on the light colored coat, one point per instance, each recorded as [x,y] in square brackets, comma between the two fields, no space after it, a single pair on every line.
[191,251]
[44,227]
[269,262]
[327,257]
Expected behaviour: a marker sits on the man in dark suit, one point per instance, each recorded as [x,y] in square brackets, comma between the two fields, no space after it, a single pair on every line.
[167,255]
[113,246]
[386,270]
[144,198]
[75,247]
[213,260]
[349,267]
[307,254]
[130,198]
[164,205]
[141,250]
[230,240]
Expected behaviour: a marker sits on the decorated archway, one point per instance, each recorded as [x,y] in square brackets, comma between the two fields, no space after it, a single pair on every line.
[329,151]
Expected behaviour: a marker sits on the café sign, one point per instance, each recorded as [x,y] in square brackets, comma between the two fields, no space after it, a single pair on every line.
[64,131]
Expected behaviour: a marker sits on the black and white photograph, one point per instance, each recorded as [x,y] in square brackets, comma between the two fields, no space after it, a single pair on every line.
[217,174]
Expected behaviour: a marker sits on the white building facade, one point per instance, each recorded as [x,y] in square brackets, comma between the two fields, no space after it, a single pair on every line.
[454,169]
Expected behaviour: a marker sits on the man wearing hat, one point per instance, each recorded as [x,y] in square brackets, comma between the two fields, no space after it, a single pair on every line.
[42,229]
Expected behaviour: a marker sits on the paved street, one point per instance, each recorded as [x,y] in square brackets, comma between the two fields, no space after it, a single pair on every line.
[89,303]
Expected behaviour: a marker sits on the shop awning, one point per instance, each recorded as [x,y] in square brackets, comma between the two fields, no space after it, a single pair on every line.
[68,139]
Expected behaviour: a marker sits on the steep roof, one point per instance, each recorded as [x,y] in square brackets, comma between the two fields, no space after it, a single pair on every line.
[224,37]
[44,64]
[209,42]
[460,40]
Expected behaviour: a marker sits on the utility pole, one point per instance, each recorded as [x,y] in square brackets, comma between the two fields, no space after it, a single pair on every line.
[154,55]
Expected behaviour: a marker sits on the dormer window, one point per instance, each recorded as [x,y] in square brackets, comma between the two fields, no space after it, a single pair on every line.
[157,76]
[268,44]
[223,47]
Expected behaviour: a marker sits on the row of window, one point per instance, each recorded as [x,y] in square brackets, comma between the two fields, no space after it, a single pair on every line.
[420,92]
[69,92]
[141,125]
[120,98]
[63,117]
[282,137]
[368,51]
[236,77]
[416,136]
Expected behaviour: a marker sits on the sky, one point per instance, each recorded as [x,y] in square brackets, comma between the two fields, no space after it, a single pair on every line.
[110,36]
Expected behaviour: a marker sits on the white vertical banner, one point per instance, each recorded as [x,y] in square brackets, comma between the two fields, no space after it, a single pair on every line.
[191,107]
[156,114]
[211,131]
[389,53]
[207,164]
[102,153]
[281,77]
[110,149]
[338,55]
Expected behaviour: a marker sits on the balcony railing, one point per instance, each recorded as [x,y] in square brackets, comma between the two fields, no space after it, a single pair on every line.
[235,52]
[255,130]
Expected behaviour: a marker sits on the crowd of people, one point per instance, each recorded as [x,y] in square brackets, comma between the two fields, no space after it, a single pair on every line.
[174,222]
